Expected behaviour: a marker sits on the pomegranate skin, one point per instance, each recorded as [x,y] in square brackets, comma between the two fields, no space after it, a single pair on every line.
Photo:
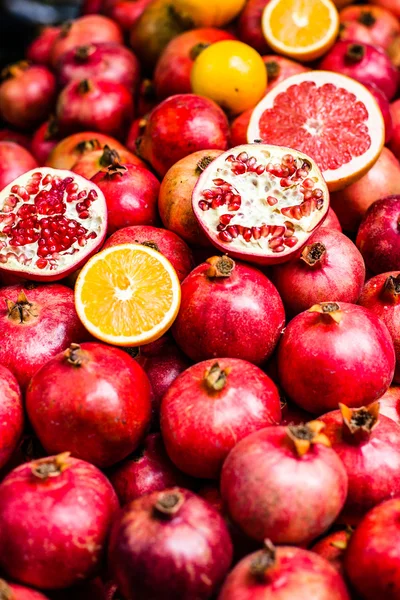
[179,126]
[384,105]
[378,237]
[293,415]
[12,591]
[322,362]
[236,316]
[125,12]
[239,128]
[394,143]
[381,24]
[191,548]
[39,50]
[149,470]
[91,163]
[105,417]
[332,547]
[75,146]
[296,575]
[329,266]
[228,400]
[14,161]
[249,25]
[372,560]
[389,404]
[32,335]
[54,528]
[11,415]
[280,68]
[331,221]
[9,135]
[44,140]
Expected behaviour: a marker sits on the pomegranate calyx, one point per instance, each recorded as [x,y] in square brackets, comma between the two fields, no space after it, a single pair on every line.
[51,466]
[391,289]
[273,69]
[109,156]
[220,266]
[264,561]
[148,90]
[168,503]
[14,70]
[75,355]
[342,544]
[203,164]
[367,18]
[65,28]
[88,146]
[21,311]
[198,49]
[5,591]
[182,21]
[355,53]
[84,86]
[312,255]
[329,309]
[149,244]
[359,422]
[215,378]
[52,129]
[304,436]
[115,168]
[82,53]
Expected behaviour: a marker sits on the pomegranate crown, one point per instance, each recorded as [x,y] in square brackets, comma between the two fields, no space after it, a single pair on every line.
[306,435]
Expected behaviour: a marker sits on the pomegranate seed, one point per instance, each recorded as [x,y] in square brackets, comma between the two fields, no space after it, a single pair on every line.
[225,219]
[82,241]
[279,249]
[208,194]
[41,263]
[275,242]
[296,213]
[230,158]
[279,230]
[246,234]
[308,184]
[47,179]
[291,241]
[272,201]
[37,176]
[92,195]
[305,208]
[235,204]
[218,181]
[224,236]
[256,232]
[203,205]
[251,162]
[287,211]
[238,168]
[287,159]
[92,235]
[260,170]
[265,230]
[308,194]
[217,202]
[243,157]
[285,182]
[302,173]
[317,193]
[81,195]
[233,231]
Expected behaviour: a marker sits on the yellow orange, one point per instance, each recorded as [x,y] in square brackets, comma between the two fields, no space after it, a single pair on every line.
[209,13]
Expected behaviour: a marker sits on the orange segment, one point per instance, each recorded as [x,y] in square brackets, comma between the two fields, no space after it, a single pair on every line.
[302,29]
[127,295]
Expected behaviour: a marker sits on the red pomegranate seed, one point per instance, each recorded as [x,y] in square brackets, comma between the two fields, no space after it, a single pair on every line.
[246,234]
[308,184]
[265,230]
[260,169]
[287,159]
[279,230]
[41,263]
[238,168]
[291,241]
[275,242]
[256,232]
[285,182]
[203,205]
[272,201]
[243,157]
[305,208]
[225,219]
[218,181]
[234,230]
[317,193]
[224,236]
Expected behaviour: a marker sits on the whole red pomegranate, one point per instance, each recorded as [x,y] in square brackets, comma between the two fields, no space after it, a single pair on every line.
[105,60]
[9,135]
[39,50]
[27,94]
[125,12]
[11,415]
[384,105]
[172,72]
[96,104]
[14,161]
[394,143]
[44,140]
[355,31]
[75,146]
[363,62]
[249,25]
[91,163]
[332,221]
[381,24]
[180,125]
[329,266]
[383,179]
[335,353]
[228,309]
[391,5]
[286,573]
[92,400]
[228,399]
[280,68]
[372,560]
[369,447]
[332,547]
[389,404]
[148,470]
[13,591]
[292,414]
[239,128]
[181,533]
[262,484]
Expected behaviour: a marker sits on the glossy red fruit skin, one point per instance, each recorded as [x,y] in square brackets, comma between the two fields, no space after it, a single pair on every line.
[9,135]
[92,162]
[394,143]
[339,274]
[14,591]
[179,126]
[296,573]
[148,470]
[262,485]
[382,25]
[322,363]
[332,547]
[294,415]
[332,221]
[106,60]
[218,418]
[172,72]
[95,104]
[44,140]
[239,128]
[372,560]
[389,404]
[14,161]
[27,346]
[249,25]
[240,316]
[94,400]
[71,510]
[75,146]
[384,105]
[280,68]
[125,12]
[11,415]
[193,550]
[39,50]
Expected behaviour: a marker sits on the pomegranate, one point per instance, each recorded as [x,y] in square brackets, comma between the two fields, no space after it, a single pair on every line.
[175,198]
[39,50]
[27,94]
[11,416]
[9,135]
[239,128]
[332,547]
[91,163]
[12,591]
[363,62]
[90,29]
[381,24]
[217,317]
[172,73]
[249,25]
[44,140]
[260,203]
[391,5]
[331,221]
[385,109]
[383,179]
[329,266]
[96,104]
[389,404]
[91,7]
[280,68]
[223,401]
[55,515]
[72,227]
[335,353]
[168,243]
[179,532]
[72,148]
[284,483]
[36,323]
[355,32]
[394,144]
[180,125]
[372,560]
[14,161]
[292,414]
[106,416]
[125,12]
[284,573]
[369,447]
[148,470]
[102,60]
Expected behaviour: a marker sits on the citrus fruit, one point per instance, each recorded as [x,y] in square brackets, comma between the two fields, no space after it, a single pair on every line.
[331,117]
[209,14]
[231,73]
[127,295]
[301,29]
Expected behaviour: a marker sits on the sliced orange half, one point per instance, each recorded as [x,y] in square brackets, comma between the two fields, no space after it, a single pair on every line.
[301,29]
[127,295]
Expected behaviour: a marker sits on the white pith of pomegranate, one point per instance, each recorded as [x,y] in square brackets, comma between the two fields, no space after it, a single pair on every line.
[51,221]
[260,202]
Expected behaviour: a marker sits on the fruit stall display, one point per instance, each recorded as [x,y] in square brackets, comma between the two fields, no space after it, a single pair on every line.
[199,303]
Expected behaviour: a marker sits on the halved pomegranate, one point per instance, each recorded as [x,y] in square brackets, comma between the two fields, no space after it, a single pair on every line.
[260,203]
[51,221]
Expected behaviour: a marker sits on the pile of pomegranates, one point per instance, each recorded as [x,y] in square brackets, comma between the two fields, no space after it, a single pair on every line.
[253,451]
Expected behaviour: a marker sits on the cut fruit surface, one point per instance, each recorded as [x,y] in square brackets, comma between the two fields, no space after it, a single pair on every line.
[127,295]
[331,117]
[301,29]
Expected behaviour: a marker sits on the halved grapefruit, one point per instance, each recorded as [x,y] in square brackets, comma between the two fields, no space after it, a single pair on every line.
[331,117]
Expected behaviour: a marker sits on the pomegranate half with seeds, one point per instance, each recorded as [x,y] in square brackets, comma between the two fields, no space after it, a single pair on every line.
[51,221]
[260,203]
